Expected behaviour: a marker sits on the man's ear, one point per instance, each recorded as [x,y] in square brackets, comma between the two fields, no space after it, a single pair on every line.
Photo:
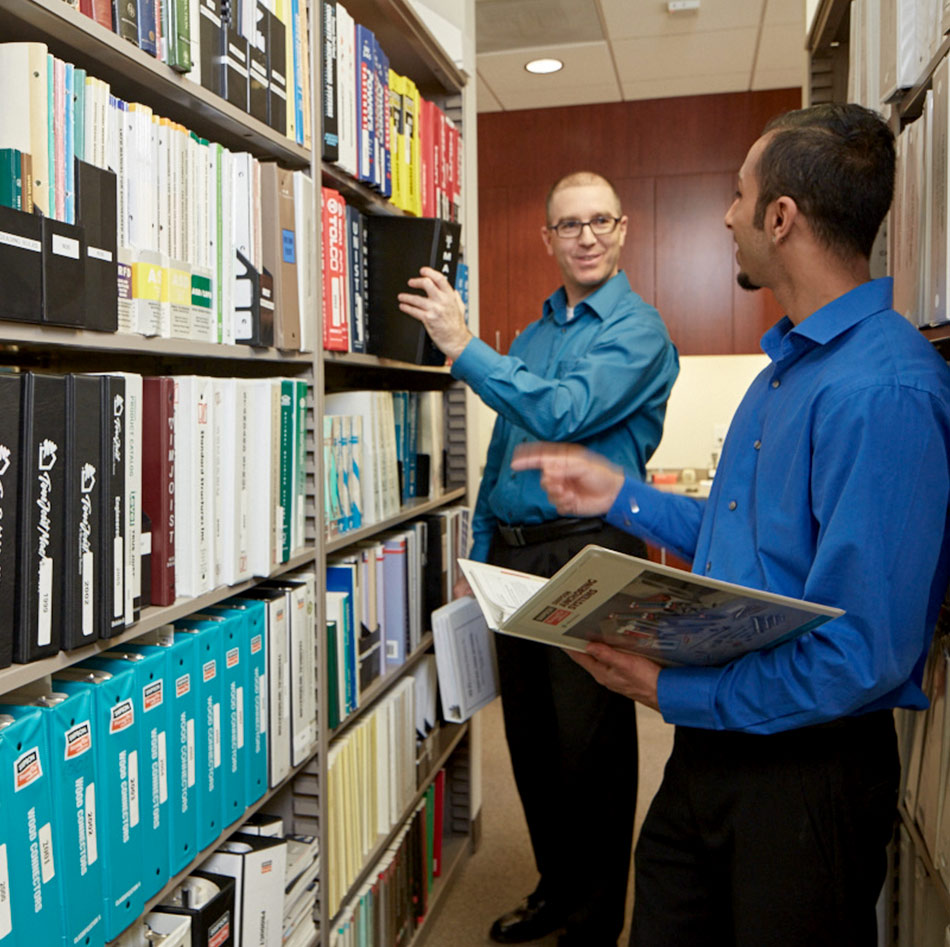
[780,218]
[547,235]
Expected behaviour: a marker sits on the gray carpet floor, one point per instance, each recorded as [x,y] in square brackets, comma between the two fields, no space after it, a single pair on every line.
[502,871]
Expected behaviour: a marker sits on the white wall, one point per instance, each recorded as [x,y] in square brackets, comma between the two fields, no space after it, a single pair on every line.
[702,403]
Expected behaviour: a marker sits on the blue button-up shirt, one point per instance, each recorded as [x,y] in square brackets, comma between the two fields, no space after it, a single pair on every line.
[601,379]
[833,486]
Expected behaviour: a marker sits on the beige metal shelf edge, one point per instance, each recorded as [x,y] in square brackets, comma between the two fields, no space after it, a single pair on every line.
[35,335]
[18,675]
[138,75]
[406,512]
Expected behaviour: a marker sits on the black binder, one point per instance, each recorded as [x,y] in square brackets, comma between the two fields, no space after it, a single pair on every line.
[10,396]
[211,46]
[257,65]
[39,601]
[329,91]
[112,505]
[276,74]
[247,302]
[398,247]
[96,209]
[21,266]
[81,598]
[64,273]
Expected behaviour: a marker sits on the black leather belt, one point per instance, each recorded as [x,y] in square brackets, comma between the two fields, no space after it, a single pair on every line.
[545,532]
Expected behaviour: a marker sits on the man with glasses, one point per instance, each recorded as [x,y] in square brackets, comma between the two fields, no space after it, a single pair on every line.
[595,369]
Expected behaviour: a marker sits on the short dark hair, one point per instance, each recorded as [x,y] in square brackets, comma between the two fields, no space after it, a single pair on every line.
[579,179]
[837,163]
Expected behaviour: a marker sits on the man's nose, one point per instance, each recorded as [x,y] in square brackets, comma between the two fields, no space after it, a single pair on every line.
[587,235]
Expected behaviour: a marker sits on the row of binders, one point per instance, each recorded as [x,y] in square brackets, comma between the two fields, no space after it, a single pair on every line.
[259,887]
[366,262]
[397,456]
[253,53]
[378,128]
[118,491]
[919,223]
[394,901]
[163,742]
[379,601]
[143,226]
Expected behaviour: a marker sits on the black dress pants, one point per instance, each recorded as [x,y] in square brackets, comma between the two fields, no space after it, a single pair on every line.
[769,841]
[573,748]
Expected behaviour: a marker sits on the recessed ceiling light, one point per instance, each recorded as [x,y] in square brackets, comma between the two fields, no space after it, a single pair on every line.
[542,67]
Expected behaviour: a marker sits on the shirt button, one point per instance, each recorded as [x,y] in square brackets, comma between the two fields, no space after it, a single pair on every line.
[732,504]
[776,383]
[708,566]
[757,445]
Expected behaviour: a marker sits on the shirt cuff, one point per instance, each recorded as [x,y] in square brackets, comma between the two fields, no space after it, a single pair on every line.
[686,696]
[475,363]
[626,505]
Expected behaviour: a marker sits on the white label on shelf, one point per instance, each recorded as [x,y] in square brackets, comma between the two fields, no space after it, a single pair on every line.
[6,916]
[45,616]
[190,727]
[47,868]
[65,246]
[97,253]
[133,788]
[162,767]
[21,243]
[88,575]
[216,715]
[92,848]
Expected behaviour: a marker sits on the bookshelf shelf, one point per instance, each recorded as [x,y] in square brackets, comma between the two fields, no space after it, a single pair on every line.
[921,850]
[137,76]
[17,675]
[407,512]
[912,100]
[380,686]
[359,195]
[455,852]
[17,337]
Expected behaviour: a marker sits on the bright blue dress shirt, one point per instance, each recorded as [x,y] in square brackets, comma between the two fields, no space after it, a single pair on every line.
[601,379]
[833,486]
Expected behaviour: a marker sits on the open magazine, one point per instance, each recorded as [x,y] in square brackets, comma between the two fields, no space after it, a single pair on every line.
[670,616]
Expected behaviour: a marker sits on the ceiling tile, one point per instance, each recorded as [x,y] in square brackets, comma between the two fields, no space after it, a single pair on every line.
[515,24]
[660,57]
[485,97]
[630,19]
[587,66]
[778,12]
[781,47]
[685,85]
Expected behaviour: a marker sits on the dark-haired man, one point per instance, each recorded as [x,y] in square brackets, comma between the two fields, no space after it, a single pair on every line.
[779,797]
[597,369]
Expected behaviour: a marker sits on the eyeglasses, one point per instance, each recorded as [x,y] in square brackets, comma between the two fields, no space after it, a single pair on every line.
[600,226]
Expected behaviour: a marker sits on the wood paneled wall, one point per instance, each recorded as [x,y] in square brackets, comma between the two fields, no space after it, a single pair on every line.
[674,164]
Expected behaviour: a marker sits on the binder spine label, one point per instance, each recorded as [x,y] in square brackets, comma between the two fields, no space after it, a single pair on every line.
[132,791]
[190,750]
[92,842]
[162,768]
[47,866]
[152,695]
[6,916]
[239,718]
[121,717]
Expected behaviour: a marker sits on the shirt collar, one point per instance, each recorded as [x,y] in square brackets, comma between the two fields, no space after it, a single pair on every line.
[832,320]
[601,302]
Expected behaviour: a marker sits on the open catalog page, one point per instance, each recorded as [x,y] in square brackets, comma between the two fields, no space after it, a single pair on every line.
[668,615]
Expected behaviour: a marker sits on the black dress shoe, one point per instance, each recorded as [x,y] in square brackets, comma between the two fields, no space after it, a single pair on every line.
[532,919]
